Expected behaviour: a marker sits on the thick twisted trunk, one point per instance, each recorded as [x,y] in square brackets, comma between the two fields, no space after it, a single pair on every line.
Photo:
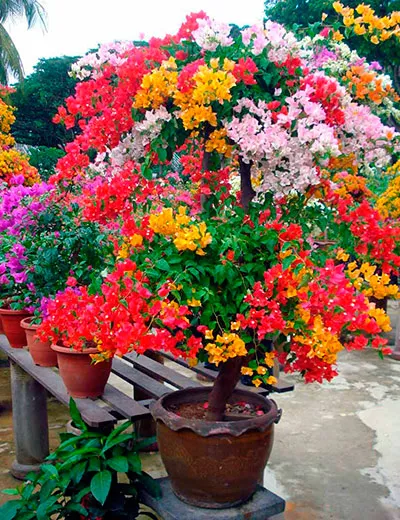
[247,192]
[223,388]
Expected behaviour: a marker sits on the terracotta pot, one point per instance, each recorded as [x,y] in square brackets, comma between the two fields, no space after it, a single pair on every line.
[12,328]
[214,464]
[80,376]
[41,351]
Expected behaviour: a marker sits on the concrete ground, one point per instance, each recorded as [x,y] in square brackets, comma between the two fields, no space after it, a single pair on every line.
[337,447]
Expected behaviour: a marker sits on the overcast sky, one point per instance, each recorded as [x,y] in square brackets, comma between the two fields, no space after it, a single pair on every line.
[75,26]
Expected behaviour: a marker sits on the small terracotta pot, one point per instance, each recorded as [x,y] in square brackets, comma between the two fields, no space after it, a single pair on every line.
[214,464]
[12,326]
[41,351]
[81,377]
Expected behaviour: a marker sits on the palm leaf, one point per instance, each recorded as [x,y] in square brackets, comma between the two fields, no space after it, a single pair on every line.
[32,10]
[10,60]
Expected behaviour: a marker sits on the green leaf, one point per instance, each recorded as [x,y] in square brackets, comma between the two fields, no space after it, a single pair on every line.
[287,262]
[43,511]
[118,440]
[163,265]
[9,510]
[94,464]
[50,470]
[100,486]
[150,485]
[119,463]
[77,508]
[82,493]
[47,489]
[135,463]
[10,491]
[119,429]
[162,154]
[78,471]
[76,416]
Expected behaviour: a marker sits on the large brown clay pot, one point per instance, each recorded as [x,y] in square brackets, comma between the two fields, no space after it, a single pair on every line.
[214,464]
[81,377]
[12,328]
[41,351]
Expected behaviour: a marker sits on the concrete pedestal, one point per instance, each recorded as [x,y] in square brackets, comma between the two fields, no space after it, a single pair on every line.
[29,402]
[262,506]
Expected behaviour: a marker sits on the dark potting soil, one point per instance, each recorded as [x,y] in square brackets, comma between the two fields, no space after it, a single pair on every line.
[198,410]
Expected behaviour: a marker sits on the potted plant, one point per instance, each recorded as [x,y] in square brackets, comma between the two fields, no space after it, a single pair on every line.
[231,139]
[80,479]
[43,242]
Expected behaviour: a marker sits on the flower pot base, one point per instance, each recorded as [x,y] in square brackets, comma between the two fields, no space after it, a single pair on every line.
[263,504]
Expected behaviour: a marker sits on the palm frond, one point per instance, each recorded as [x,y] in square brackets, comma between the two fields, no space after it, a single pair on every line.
[10,60]
[32,10]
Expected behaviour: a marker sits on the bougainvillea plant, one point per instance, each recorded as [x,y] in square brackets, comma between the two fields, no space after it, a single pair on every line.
[12,162]
[236,137]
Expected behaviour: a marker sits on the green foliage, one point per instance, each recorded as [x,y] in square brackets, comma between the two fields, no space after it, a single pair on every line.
[80,479]
[58,244]
[37,99]
[44,159]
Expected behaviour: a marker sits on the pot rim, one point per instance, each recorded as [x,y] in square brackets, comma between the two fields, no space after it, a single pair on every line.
[70,350]
[26,323]
[14,312]
[209,428]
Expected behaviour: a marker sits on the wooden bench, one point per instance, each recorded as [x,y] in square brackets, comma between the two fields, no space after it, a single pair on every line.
[149,379]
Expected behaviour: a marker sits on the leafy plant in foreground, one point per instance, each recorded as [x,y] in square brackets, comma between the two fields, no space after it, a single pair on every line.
[79,480]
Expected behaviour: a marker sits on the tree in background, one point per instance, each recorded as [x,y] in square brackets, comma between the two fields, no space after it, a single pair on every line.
[304,13]
[10,60]
[37,99]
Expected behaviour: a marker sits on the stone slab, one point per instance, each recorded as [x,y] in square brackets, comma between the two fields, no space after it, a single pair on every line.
[261,506]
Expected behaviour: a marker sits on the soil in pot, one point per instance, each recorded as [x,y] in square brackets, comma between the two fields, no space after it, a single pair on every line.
[41,351]
[11,321]
[81,377]
[214,464]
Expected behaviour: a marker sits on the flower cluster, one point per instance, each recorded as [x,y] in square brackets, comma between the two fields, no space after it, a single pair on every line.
[388,204]
[368,23]
[186,235]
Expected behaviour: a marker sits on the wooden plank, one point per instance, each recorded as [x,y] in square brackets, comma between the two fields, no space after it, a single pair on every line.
[153,368]
[125,405]
[282,386]
[212,374]
[139,380]
[92,414]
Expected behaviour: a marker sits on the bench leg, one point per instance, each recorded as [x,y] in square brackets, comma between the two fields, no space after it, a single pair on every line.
[31,432]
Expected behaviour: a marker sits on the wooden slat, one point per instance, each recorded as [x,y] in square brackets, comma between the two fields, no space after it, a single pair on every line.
[125,405]
[153,368]
[139,380]
[92,414]
[212,374]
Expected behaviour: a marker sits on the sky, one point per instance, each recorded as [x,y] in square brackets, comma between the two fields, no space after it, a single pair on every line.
[75,26]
